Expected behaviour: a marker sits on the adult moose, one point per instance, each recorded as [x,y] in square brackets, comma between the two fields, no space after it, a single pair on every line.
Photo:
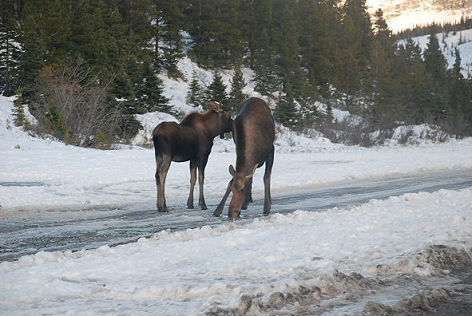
[192,140]
[253,133]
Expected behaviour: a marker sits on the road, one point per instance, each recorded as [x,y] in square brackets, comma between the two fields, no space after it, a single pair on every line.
[118,226]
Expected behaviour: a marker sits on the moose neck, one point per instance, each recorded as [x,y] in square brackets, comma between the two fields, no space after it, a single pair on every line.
[213,127]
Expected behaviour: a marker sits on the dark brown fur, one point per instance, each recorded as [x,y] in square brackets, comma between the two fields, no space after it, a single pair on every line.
[191,140]
[254,134]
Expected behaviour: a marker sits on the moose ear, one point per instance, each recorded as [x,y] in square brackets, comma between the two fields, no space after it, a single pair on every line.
[214,106]
[253,170]
[231,170]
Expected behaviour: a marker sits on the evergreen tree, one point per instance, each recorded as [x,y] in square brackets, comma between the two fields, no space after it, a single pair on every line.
[459,117]
[320,27]
[266,78]
[19,112]
[456,68]
[434,59]
[353,46]
[217,38]
[149,94]
[216,91]
[412,77]
[380,81]
[236,95]
[195,94]
[9,49]
[329,112]
[286,111]
[286,39]
[168,39]
[436,67]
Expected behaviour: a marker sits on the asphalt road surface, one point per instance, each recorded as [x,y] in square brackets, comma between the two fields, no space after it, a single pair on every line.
[113,227]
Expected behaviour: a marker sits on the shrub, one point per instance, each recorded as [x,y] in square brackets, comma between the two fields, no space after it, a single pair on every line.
[72,105]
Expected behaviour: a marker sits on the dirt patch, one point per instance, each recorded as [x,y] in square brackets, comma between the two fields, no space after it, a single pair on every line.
[337,291]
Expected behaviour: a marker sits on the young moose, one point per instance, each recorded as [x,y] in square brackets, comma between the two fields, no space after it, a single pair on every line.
[192,140]
[253,132]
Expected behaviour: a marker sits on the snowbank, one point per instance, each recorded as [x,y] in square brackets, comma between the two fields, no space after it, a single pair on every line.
[228,266]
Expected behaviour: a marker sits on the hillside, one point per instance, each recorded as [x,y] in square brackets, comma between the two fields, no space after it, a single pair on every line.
[462,40]
[404,14]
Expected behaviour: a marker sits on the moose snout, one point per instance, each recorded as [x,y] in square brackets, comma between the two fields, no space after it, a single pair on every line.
[233,213]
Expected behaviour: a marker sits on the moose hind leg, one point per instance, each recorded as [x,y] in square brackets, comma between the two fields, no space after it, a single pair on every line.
[201,180]
[268,170]
[193,179]
[158,181]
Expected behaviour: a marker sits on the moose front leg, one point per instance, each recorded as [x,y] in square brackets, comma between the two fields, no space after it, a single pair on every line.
[219,208]
[248,195]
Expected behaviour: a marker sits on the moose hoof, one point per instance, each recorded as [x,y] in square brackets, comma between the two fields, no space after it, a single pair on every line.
[190,206]
[162,209]
[217,212]
[204,207]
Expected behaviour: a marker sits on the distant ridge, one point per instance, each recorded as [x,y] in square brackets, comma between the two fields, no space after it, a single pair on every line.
[404,14]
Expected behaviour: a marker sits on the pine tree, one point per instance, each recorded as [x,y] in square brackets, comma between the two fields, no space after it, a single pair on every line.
[434,59]
[195,94]
[216,91]
[217,38]
[236,95]
[319,22]
[149,95]
[266,79]
[286,111]
[436,68]
[19,112]
[168,41]
[456,68]
[412,76]
[329,112]
[380,81]
[9,49]
[353,47]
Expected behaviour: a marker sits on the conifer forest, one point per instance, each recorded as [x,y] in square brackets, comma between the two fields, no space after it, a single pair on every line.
[85,67]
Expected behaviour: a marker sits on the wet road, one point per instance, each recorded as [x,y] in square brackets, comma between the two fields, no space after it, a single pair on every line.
[112,227]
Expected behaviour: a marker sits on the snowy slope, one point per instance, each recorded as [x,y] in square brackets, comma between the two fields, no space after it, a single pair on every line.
[176,90]
[448,42]
[404,14]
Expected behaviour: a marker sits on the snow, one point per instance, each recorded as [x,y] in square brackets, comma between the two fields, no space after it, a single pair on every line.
[176,88]
[190,272]
[448,42]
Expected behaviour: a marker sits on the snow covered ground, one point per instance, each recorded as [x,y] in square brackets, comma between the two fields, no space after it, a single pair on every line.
[271,263]
[268,262]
